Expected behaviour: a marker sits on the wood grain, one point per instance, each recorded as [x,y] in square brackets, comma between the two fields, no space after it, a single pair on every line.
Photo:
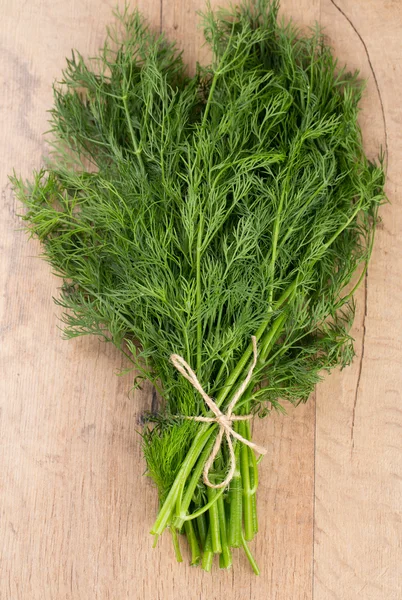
[75,507]
[358,532]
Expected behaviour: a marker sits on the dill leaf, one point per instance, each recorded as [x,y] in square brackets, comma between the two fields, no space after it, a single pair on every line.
[186,214]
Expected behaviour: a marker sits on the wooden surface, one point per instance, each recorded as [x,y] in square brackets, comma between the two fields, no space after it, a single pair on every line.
[75,508]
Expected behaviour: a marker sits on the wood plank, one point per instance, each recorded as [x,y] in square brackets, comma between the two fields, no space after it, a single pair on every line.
[358,531]
[75,507]
[70,454]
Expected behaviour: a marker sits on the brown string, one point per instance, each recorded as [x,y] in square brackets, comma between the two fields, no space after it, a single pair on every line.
[224,420]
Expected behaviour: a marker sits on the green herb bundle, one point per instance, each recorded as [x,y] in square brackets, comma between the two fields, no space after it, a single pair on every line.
[187,214]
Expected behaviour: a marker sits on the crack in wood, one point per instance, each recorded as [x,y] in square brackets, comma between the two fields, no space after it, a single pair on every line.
[154,402]
[313,534]
[366,276]
[372,71]
[146,415]
[359,375]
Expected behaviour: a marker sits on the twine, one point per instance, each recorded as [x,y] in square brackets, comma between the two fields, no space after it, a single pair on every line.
[224,420]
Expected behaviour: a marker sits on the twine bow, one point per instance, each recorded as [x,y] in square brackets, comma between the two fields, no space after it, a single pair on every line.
[224,420]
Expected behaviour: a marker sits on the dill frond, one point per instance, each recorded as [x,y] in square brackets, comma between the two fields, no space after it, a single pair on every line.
[185,215]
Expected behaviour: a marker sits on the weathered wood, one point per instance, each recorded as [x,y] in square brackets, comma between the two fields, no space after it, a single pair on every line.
[75,507]
[358,533]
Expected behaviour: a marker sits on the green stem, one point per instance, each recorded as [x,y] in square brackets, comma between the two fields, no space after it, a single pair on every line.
[209,101]
[214,525]
[201,225]
[198,290]
[132,135]
[208,555]
[278,217]
[245,477]
[347,297]
[340,230]
[214,82]
[275,234]
[201,510]
[236,501]
[250,557]
[268,341]
[176,546]
[238,370]
[271,335]
[202,528]
[193,543]
[253,482]
[193,457]
[225,559]
[253,465]
[176,490]
[254,514]
[183,504]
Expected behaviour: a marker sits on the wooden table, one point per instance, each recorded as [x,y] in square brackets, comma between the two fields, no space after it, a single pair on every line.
[75,507]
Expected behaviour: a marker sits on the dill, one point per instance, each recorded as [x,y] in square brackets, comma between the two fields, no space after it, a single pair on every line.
[186,214]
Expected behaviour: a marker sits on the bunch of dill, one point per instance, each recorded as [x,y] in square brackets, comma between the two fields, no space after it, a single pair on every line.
[185,215]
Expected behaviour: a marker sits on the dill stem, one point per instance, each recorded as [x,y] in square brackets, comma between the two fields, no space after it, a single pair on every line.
[214,82]
[207,555]
[193,542]
[275,236]
[236,501]
[192,484]
[201,220]
[237,371]
[253,466]
[250,557]
[132,135]
[182,507]
[183,504]
[253,463]
[350,294]
[214,525]
[179,520]
[176,545]
[225,559]
[271,335]
[245,477]
[342,227]
[254,513]
[176,490]
[208,104]
[198,290]
[202,528]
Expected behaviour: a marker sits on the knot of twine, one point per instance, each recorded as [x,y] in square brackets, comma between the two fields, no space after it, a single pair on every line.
[224,420]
